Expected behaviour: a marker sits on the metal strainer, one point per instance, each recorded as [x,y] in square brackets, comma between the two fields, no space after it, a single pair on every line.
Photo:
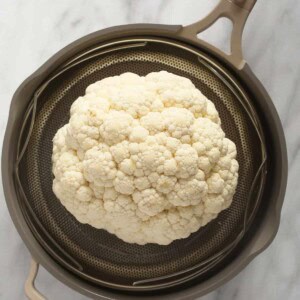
[97,263]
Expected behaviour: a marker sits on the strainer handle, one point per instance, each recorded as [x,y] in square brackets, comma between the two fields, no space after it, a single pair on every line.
[31,292]
[235,10]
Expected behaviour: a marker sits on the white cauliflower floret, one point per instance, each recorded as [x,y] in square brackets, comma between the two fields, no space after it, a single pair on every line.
[150,202]
[144,158]
[170,167]
[150,156]
[212,113]
[67,161]
[120,151]
[95,213]
[165,184]
[178,122]
[188,192]
[110,194]
[99,166]
[215,184]
[127,166]
[142,183]
[84,194]
[153,122]
[186,158]
[138,134]
[59,143]
[81,135]
[97,190]
[116,127]
[124,184]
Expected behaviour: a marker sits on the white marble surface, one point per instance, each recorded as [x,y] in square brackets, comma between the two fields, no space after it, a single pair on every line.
[31,31]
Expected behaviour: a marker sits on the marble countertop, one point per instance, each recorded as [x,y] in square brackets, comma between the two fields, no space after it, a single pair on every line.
[32,31]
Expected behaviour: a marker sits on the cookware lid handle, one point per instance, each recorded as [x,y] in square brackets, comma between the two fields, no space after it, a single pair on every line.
[235,10]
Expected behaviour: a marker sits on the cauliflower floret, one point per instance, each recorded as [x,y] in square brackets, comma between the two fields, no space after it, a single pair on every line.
[66,161]
[81,135]
[84,194]
[165,184]
[127,166]
[150,156]
[212,113]
[110,194]
[59,143]
[207,133]
[144,158]
[153,122]
[116,127]
[142,183]
[124,184]
[178,122]
[176,91]
[99,166]
[138,134]
[215,184]
[186,158]
[170,167]
[150,201]
[97,190]
[95,213]
[188,192]
[120,151]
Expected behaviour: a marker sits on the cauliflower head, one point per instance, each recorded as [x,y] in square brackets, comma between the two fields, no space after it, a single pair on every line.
[144,158]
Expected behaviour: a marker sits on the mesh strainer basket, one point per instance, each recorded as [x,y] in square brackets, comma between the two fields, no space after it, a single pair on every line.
[97,263]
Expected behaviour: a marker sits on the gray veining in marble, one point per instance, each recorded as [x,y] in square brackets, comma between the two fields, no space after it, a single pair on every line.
[31,31]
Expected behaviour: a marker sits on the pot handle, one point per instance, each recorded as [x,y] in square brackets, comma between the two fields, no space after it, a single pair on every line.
[31,292]
[235,10]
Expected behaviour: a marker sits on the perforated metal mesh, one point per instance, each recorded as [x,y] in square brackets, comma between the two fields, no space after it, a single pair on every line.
[101,255]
